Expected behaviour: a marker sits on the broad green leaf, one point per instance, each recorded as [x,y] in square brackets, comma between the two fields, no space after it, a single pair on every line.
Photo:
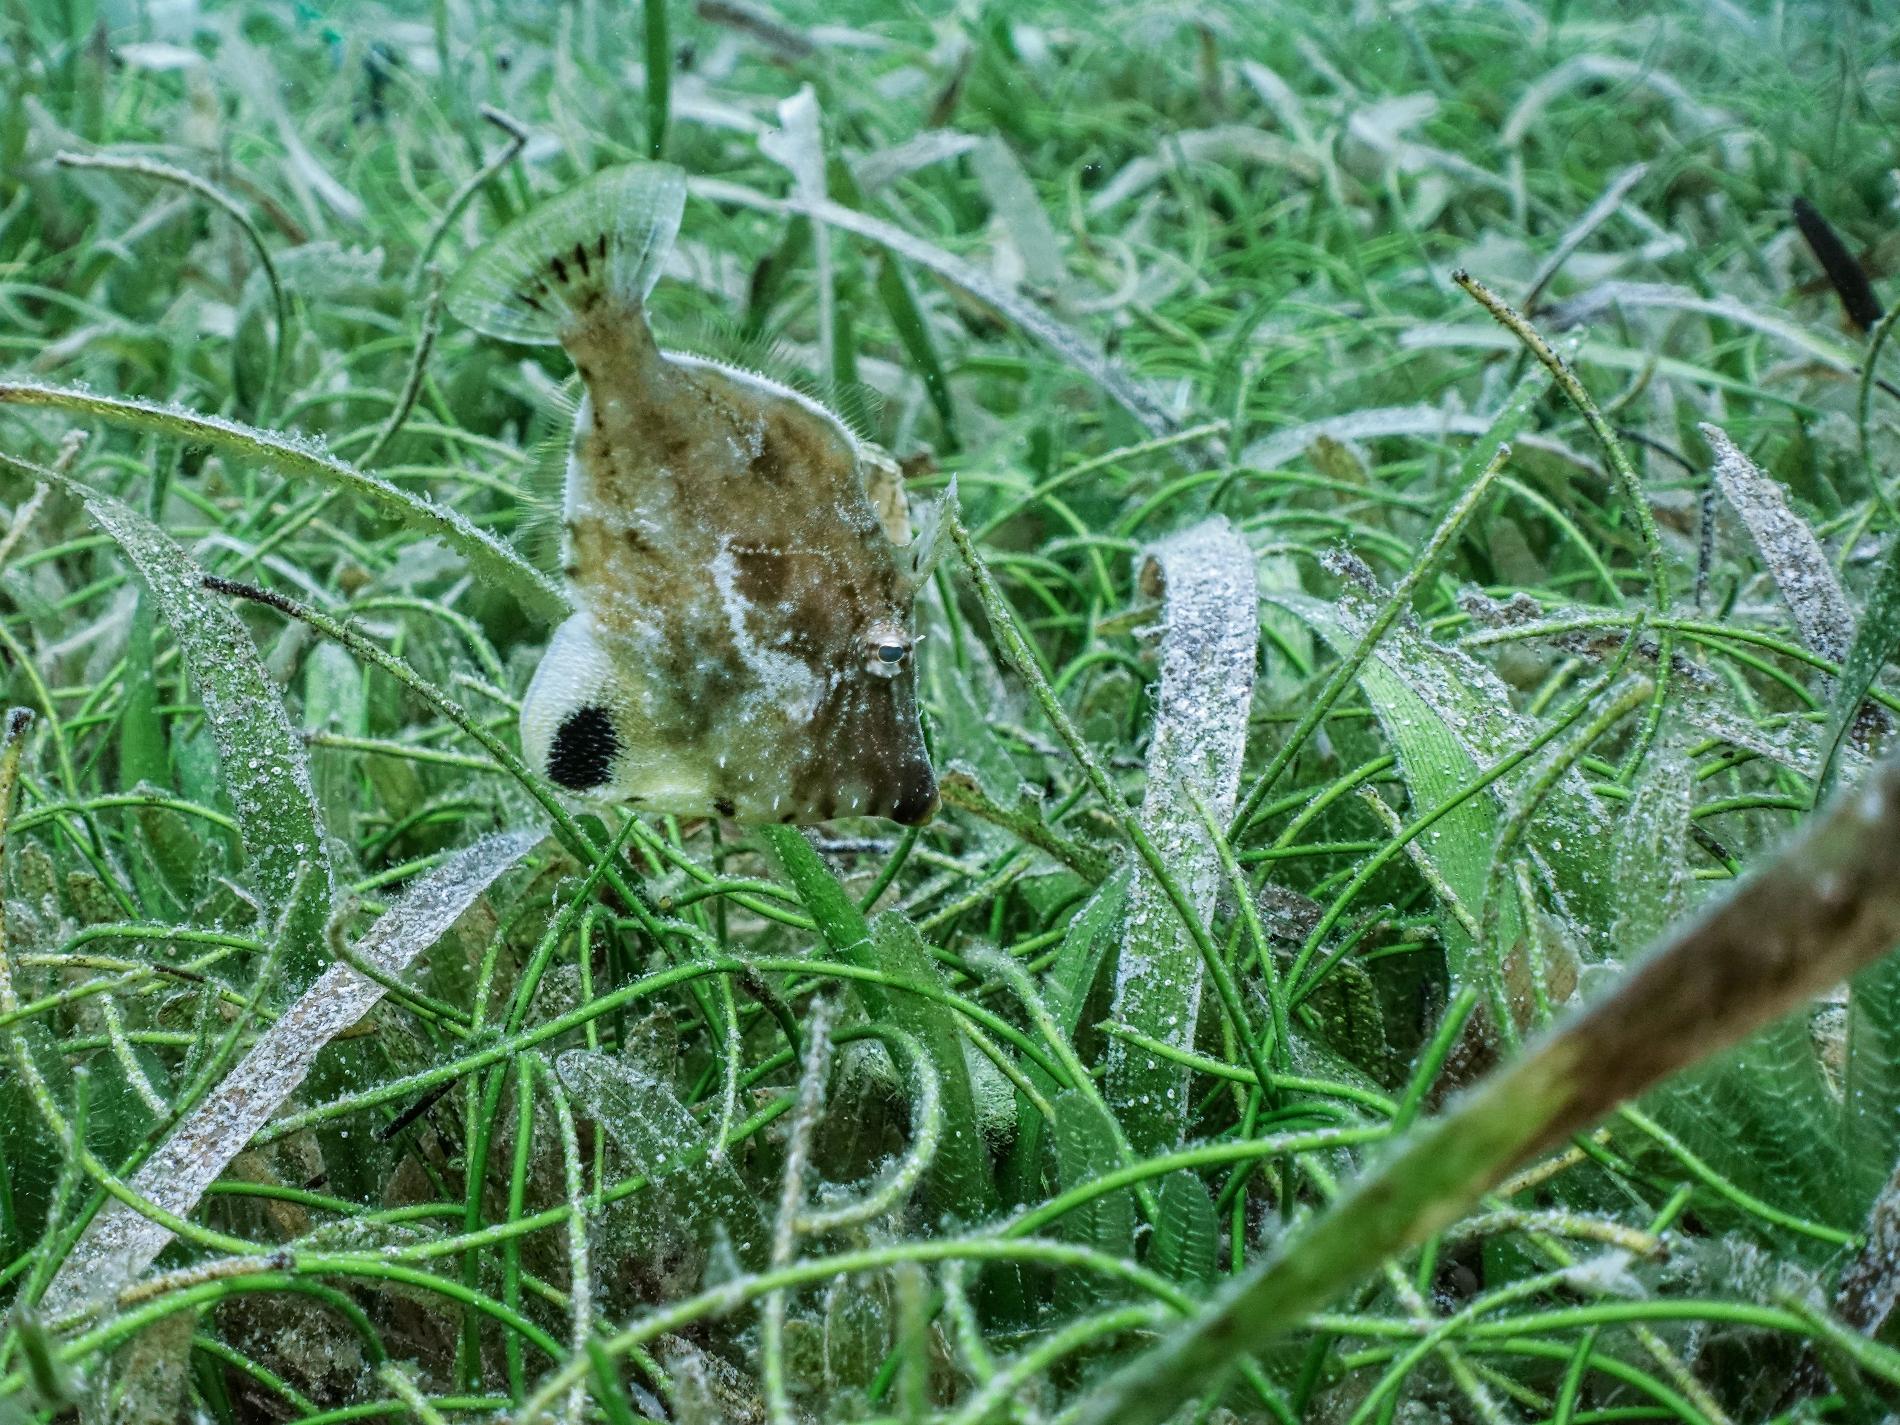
[960,1178]
[142,751]
[1085,1150]
[1443,717]
[1092,932]
[1763,1116]
[1085,942]
[1186,1231]
[261,758]
[652,1128]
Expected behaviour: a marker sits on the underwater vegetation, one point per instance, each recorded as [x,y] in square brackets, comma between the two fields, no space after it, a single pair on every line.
[966,713]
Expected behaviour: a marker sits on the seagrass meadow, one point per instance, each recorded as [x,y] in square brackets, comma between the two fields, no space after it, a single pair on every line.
[1404,938]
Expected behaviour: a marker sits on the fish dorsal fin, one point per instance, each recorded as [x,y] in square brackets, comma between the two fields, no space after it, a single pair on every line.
[606,238]
[718,339]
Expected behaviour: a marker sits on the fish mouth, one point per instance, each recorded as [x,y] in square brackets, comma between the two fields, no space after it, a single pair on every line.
[917,800]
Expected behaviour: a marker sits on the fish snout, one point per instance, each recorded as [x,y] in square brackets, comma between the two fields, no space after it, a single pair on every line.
[916,799]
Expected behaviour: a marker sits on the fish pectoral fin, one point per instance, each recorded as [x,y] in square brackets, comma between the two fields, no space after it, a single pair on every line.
[601,242]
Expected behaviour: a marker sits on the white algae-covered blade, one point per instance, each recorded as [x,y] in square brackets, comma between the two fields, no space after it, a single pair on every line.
[1788,548]
[1209,633]
[120,1243]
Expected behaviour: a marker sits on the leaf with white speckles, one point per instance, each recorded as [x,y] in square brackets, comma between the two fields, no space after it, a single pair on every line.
[1210,630]
[305,458]
[261,758]
[119,1243]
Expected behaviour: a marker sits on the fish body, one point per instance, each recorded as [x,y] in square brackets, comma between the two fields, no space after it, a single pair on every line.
[741,643]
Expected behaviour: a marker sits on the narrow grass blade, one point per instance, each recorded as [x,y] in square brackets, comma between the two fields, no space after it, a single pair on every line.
[1209,631]
[490,559]
[119,1244]
[1828,906]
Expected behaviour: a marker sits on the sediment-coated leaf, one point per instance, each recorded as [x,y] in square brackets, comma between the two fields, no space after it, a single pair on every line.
[119,1243]
[261,758]
[1649,856]
[649,1124]
[1788,548]
[1209,632]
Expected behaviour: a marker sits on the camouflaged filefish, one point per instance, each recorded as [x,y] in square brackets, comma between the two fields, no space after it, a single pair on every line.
[741,643]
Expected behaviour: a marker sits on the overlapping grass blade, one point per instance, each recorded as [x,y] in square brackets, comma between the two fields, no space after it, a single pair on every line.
[120,1243]
[490,559]
[1826,907]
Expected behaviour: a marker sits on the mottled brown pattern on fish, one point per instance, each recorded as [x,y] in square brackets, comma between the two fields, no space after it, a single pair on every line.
[733,568]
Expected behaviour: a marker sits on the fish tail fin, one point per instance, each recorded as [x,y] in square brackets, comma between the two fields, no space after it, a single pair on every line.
[602,241]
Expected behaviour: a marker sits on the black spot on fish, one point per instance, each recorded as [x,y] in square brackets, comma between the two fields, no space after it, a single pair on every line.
[583,749]
[724,806]
[580,256]
[560,268]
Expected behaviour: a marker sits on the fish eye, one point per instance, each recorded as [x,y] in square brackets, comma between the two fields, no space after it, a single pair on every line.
[887,648]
